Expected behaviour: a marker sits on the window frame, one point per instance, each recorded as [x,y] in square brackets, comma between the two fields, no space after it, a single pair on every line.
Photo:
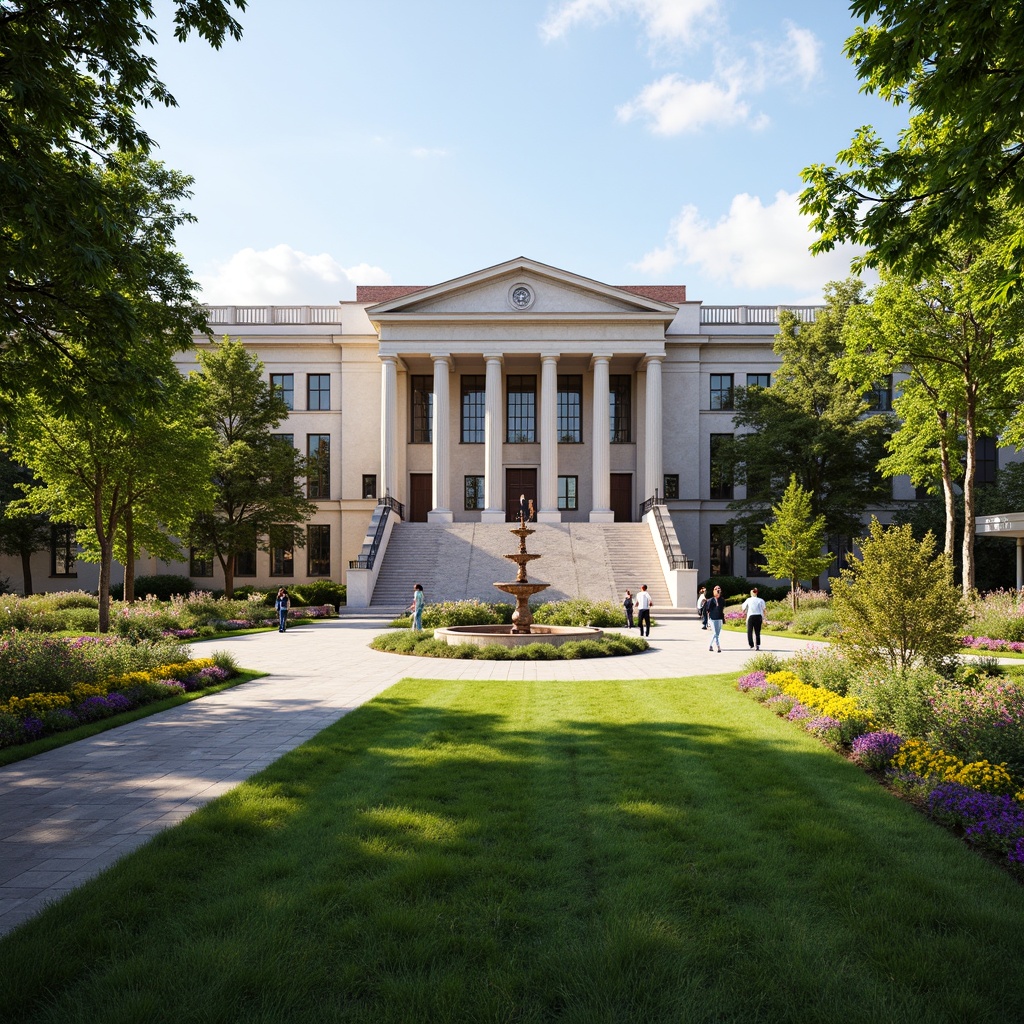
[620,408]
[370,486]
[318,551]
[674,487]
[473,495]
[569,420]
[63,545]
[720,551]
[521,418]
[721,397]
[472,408]
[569,496]
[719,488]
[318,484]
[282,555]
[286,390]
[199,566]
[319,391]
[421,413]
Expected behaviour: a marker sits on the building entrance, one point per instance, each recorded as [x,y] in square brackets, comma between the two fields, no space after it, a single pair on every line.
[519,481]
[421,496]
[621,497]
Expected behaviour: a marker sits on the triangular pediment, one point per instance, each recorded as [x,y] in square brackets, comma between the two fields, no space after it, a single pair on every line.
[520,287]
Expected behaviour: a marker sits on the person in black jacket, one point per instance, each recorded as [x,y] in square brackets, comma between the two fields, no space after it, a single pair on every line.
[716,616]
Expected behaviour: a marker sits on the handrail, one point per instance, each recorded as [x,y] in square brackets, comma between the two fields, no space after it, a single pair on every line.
[673,553]
[388,505]
[649,504]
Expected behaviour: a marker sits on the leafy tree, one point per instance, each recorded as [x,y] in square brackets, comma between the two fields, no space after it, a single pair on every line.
[21,534]
[94,470]
[808,424]
[959,68]
[956,346]
[793,540]
[85,252]
[256,475]
[896,605]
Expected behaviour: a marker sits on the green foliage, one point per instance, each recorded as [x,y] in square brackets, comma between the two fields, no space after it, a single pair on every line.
[900,701]
[460,613]
[823,667]
[424,645]
[164,586]
[732,586]
[579,612]
[319,592]
[896,605]
[814,622]
[764,661]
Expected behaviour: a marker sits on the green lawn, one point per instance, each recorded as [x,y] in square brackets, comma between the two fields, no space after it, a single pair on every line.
[662,850]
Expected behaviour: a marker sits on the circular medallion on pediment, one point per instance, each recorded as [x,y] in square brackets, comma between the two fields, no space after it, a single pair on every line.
[520,296]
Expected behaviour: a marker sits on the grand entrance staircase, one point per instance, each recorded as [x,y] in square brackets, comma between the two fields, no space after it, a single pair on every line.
[459,561]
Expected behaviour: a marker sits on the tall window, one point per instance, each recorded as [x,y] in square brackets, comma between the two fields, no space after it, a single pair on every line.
[282,551]
[755,560]
[620,414]
[522,409]
[474,492]
[721,391]
[422,408]
[245,561]
[200,564]
[879,398]
[318,391]
[318,550]
[318,478]
[284,385]
[570,408]
[721,551]
[62,550]
[671,488]
[759,380]
[288,482]
[474,408]
[567,489]
[721,475]
[986,461]
[369,485]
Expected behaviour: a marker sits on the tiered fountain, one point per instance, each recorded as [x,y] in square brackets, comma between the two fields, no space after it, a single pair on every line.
[522,630]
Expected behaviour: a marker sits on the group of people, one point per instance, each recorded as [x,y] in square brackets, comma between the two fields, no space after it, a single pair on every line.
[642,604]
[712,611]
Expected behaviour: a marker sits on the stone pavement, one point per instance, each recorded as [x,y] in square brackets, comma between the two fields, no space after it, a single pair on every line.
[72,812]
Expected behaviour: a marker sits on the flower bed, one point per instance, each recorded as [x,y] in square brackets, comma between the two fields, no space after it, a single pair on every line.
[976,797]
[27,718]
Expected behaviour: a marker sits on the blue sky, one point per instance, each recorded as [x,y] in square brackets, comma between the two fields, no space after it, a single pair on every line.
[346,142]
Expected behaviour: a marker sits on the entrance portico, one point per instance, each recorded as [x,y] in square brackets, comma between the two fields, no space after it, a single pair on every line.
[531,353]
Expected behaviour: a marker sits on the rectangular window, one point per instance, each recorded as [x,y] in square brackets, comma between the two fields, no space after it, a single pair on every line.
[245,562]
[318,550]
[422,408]
[521,413]
[570,409]
[200,564]
[318,391]
[369,485]
[721,391]
[986,461]
[474,492]
[318,467]
[879,398]
[721,475]
[282,551]
[671,486]
[567,488]
[287,482]
[759,380]
[62,550]
[284,385]
[755,561]
[474,408]
[620,412]
[721,551]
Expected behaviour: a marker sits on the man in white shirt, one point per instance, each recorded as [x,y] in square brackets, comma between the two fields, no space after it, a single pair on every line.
[755,610]
[643,609]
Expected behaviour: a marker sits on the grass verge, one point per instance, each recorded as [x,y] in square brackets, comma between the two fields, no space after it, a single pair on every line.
[657,850]
[59,739]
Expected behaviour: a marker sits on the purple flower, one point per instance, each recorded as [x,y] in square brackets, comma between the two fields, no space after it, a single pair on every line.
[33,727]
[798,713]
[823,725]
[751,680]
[875,750]
[987,819]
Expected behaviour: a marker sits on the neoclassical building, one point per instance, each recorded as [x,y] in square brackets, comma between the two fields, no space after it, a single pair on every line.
[454,399]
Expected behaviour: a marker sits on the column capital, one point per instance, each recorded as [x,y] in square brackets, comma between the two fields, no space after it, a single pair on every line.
[494,357]
[443,357]
[651,357]
[550,356]
[595,359]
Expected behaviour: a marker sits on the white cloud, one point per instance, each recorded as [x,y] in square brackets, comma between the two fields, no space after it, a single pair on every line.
[284,276]
[428,153]
[665,22]
[673,105]
[803,53]
[752,246]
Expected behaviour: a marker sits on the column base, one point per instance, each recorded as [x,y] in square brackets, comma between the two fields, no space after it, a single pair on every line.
[602,516]
[549,517]
[440,515]
[492,515]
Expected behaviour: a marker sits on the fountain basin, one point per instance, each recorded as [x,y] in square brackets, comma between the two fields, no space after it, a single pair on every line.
[481,636]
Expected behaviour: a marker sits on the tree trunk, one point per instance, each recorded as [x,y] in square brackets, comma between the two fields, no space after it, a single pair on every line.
[948,498]
[106,557]
[26,571]
[969,515]
[228,565]
[129,559]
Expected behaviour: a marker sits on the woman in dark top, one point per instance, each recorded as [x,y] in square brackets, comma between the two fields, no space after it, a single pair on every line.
[716,616]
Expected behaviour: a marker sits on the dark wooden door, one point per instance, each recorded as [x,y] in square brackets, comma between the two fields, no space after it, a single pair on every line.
[421,496]
[519,481]
[622,497]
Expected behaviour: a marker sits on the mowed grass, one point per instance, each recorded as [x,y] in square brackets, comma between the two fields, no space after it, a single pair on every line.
[660,850]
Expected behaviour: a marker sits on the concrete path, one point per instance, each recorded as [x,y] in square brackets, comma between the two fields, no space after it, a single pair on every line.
[68,814]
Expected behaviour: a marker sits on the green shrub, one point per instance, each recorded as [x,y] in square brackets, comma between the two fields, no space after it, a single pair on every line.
[164,586]
[406,641]
[579,612]
[461,613]
[84,620]
[899,701]
[731,585]
[823,667]
[814,622]
[321,592]
[765,662]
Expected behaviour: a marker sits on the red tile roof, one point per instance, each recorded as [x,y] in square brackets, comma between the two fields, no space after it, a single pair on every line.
[662,292]
[373,293]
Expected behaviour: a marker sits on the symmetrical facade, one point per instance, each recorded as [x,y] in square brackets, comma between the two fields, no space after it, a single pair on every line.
[519,379]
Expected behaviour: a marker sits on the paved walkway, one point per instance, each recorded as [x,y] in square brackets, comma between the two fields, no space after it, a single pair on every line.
[72,812]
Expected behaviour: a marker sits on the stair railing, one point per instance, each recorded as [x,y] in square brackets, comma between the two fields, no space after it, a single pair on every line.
[648,505]
[386,506]
[673,552]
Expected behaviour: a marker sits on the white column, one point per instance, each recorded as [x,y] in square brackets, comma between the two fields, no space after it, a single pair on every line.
[494,484]
[653,474]
[388,426]
[442,484]
[601,509]
[548,496]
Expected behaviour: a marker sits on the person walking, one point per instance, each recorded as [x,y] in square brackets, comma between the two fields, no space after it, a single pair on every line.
[417,607]
[282,604]
[716,616]
[522,508]
[702,607]
[628,605]
[756,611]
[533,512]
[643,609]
